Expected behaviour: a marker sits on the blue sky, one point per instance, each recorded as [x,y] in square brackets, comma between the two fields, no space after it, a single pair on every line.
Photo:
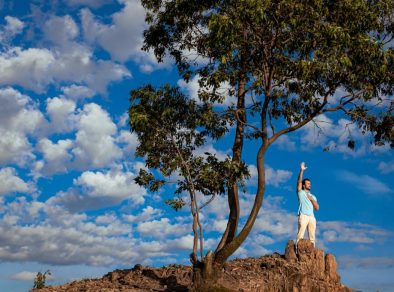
[68,202]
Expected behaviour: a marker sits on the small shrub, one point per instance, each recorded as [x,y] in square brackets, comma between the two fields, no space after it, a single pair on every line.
[39,280]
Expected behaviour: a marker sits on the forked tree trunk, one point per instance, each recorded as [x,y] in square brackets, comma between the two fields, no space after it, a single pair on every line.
[206,275]
[207,272]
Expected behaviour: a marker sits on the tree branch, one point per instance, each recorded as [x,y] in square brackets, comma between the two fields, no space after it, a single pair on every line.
[193,205]
[246,124]
[317,112]
[207,202]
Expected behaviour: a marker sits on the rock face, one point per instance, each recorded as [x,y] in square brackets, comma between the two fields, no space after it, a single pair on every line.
[308,270]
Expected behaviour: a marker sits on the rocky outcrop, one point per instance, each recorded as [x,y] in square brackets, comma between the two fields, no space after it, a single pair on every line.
[306,270]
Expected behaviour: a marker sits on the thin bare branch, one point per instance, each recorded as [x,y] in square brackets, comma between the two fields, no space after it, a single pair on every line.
[207,202]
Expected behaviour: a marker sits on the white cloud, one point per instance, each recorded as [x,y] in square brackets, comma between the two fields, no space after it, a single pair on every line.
[24,276]
[58,237]
[285,143]
[337,231]
[148,213]
[163,228]
[386,167]
[272,222]
[13,27]
[14,147]
[278,224]
[130,22]
[95,143]
[95,190]
[11,183]
[60,30]
[182,243]
[334,135]
[77,92]
[56,155]
[273,177]
[16,109]
[219,208]
[56,245]
[107,218]
[36,68]
[110,184]
[365,183]
[28,68]
[349,261]
[123,119]
[128,141]
[62,114]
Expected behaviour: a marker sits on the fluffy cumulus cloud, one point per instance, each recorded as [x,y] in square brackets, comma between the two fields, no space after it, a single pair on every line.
[65,60]
[95,190]
[276,221]
[274,177]
[60,30]
[63,245]
[162,228]
[37,68]
[94,141]
[130,22]
[56,156]
[77,92]
[11,183]
[95,138]
[61,113]
[148,213]
[19,119]
[127,141]
[55,236]
[111,184]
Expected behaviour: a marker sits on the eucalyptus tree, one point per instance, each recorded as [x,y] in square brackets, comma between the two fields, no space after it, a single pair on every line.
[286,62]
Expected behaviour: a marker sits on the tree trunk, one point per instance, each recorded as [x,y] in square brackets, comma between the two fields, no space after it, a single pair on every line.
[206,275]
[233,200]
